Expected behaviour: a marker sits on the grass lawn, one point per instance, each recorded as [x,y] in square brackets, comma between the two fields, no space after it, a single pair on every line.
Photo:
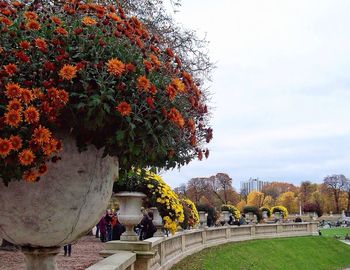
[314,253]
[335,231]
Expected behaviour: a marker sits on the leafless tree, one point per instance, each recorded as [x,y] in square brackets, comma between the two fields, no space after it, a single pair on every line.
[335,184]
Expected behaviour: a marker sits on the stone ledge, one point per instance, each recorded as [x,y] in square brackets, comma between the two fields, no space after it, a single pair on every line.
[121,260]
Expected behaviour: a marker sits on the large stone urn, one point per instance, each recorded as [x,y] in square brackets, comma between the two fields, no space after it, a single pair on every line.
[130,214]
[64,205]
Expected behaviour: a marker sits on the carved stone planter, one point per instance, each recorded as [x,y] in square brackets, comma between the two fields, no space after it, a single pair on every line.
[130,213]
[226,216]
[202,219]
[65,204]
[157,221]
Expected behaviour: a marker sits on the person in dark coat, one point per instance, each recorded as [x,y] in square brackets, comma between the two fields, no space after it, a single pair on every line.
[148,227]
[118,229]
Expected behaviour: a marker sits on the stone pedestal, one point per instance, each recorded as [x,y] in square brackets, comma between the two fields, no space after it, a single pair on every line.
[40,258]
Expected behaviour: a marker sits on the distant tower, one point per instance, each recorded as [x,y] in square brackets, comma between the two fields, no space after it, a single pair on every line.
[253,184]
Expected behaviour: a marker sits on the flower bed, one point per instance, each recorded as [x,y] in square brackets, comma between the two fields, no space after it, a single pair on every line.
[93,72]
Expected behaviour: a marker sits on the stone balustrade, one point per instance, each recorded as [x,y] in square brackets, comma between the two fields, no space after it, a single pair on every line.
[160,253]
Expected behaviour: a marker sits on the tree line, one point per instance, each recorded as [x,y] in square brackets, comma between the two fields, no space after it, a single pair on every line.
[331,195]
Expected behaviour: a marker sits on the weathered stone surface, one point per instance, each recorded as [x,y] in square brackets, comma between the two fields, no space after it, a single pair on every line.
[66,203]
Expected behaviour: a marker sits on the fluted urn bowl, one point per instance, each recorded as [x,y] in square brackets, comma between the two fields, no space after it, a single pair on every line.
[65,204]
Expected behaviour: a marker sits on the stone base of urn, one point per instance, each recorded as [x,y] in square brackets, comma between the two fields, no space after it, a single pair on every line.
[63,206]
[130,214]
[40,258]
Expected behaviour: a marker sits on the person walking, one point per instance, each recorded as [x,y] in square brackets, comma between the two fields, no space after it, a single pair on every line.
[67,250]
[118,229]
[148,227]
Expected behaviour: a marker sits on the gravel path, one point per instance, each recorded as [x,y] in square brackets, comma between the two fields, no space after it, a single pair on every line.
[84,253]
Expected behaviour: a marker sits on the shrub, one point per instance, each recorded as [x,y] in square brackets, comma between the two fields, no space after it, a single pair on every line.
[313,207]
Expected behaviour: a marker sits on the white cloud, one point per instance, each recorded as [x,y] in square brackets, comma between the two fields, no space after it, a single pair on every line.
[281,89]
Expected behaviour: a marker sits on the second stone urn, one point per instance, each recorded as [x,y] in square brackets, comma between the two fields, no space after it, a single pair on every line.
[130,213]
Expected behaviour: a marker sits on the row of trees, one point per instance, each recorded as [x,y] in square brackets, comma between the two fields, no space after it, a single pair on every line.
[332,195]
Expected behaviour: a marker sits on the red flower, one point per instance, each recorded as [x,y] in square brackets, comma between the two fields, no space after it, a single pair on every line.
[143,83]
[26,157]
[16,142]
[150,103]
[5,147]
[31,115]
[10,69]
[13,118]
[13,90]
[23,57]
[33,25]
[124,108]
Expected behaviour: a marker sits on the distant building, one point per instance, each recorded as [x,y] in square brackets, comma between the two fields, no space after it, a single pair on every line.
[252,185]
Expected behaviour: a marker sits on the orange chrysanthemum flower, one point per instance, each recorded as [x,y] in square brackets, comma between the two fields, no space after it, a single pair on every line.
[5,147]
[15,105]
[13,90]
[88,21]
[26,96]
[6,21]
[124,108]
[191,125]
[155,60]
[61,31]
[30,15]
[56,20]
[16,142]
[68,72]
[50,147]
[171,92]
[176,117]
[13,118]
[17,4]
[30,176]
[143,83]
[148,65]
[42,169]
[10,69]
[33,25]
[41,135]
[63,96]
[115,66]
[31,115]
[41,44]
[26,157]
[114,17]
[178,85]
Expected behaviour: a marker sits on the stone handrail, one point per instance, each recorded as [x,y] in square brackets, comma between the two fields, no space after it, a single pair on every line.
[161,253]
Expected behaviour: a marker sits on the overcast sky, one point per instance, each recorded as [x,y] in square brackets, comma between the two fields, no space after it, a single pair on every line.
[281,89]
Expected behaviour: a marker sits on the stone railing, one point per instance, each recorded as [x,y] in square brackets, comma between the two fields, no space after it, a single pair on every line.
[160,253]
